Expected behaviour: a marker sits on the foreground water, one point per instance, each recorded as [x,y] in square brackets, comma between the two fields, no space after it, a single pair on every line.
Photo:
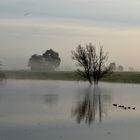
[57,110]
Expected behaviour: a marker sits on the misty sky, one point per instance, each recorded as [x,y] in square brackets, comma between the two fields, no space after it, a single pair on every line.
[33,26]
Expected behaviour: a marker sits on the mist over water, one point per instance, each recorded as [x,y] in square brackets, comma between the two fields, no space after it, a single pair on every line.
[37,38]
[68,110]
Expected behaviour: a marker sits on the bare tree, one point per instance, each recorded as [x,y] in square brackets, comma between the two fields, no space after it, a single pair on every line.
[93,65]
[84,60]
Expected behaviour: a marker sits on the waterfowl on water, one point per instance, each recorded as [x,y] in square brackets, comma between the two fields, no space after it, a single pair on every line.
[133,108]
[115,105]
[125,108]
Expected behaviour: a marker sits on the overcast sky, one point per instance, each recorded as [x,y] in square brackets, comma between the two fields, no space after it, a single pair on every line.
[33,26]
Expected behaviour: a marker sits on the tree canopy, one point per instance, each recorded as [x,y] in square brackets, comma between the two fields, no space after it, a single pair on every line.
[48,61]
[93,64]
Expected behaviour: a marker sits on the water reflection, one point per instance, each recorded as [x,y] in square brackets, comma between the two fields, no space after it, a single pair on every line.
[49,99]
[2,75]
[92,107]
[2,81]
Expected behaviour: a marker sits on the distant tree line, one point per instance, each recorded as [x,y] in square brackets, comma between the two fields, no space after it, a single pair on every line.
[2,75]
[48,61]
[116,68]
[120,68]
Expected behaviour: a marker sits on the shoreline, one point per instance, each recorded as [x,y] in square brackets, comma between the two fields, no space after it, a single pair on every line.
[116,77]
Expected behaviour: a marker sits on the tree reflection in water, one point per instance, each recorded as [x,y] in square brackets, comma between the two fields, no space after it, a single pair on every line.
[51,99]
[92,107]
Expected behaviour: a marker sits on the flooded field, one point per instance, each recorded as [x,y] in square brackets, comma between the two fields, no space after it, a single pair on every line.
[61,110]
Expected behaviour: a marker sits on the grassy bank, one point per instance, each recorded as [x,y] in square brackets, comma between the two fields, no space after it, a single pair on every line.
[40,75]
[125,77]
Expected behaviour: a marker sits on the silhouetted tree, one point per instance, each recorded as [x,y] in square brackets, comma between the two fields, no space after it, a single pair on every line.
[36,62]
[93,65]
[2,74]
[52,58]
[131,68]
[120,68]
[49,61]
[113,66]
[84,60]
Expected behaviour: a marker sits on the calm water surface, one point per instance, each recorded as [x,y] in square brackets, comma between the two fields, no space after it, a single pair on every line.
[60,110]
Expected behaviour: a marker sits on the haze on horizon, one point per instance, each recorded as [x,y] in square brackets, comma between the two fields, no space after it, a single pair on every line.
[31,26]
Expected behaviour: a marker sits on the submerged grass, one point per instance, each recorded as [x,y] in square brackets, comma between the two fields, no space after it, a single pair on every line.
[124,77]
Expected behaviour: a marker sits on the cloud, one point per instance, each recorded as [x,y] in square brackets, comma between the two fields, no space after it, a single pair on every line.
[110,11]
[62,25]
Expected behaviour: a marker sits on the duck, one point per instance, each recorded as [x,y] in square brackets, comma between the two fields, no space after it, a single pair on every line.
[115,105]
[125,108]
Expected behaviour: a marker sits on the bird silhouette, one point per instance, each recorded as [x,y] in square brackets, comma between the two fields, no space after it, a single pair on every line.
[115,105]
[125,108]
[133,108]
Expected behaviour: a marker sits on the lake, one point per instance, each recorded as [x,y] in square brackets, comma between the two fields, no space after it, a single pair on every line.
[65,110]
